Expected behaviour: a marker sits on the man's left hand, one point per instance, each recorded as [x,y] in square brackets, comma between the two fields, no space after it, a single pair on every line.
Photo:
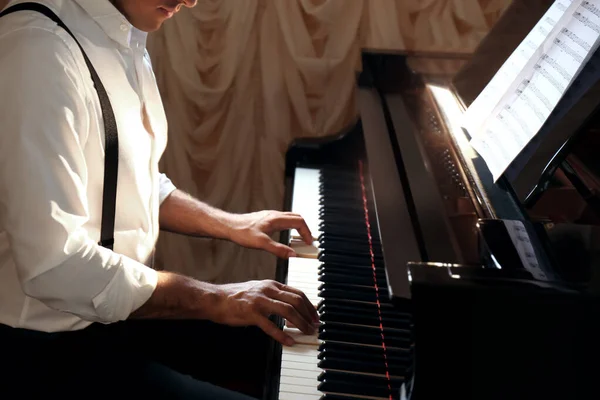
[254,230]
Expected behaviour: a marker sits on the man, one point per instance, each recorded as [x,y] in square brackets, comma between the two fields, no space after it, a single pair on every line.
[73,314]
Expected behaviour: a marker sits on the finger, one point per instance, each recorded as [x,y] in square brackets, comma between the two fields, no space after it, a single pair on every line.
[279,249]
[273,330]
[296,301]
[294,222]
[288,311]
[311,311]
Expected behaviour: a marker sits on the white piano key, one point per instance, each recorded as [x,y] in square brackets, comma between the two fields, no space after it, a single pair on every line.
[300,389]
[297,396]
[304,250]
[305,198]
[307,374]
[299,373]
[303,274]
[304,271]
[297,381]
[301,338]
[301,365]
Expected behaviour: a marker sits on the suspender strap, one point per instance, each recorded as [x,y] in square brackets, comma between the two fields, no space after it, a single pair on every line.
[111,151]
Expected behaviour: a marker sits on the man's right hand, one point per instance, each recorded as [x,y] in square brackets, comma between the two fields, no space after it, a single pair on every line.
[251,303]
[237,304]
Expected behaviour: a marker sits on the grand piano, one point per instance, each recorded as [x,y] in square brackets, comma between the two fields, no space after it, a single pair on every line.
[431,279]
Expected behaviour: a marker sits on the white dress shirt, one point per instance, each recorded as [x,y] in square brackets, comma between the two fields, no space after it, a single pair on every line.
[53,274]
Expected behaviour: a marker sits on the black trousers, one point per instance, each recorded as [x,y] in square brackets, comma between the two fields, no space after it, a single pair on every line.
[134,360]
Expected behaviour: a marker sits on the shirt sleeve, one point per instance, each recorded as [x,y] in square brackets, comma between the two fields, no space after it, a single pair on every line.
[43,184]
[166,187]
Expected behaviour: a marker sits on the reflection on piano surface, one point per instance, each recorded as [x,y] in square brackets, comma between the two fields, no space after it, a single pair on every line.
[430,279]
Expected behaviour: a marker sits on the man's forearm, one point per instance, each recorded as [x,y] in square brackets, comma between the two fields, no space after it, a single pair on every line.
[179,297]
[181,213]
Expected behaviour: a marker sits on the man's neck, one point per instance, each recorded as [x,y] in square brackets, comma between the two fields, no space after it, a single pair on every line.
[117,5]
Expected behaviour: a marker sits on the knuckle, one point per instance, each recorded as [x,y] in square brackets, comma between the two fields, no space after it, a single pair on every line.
[256,306]
[289,309]
[297,301]
[269,291]
[272,284]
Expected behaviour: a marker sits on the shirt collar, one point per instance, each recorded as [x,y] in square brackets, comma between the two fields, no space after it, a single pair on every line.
[116,26]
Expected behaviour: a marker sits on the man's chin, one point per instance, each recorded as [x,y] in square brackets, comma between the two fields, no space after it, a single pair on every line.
[151,26]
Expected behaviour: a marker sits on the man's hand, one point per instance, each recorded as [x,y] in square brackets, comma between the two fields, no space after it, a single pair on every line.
[253,230]
[251,303]
[181,213]
[237,304]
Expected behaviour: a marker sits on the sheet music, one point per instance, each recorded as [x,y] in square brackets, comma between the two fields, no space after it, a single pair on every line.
[520,238]
[510,113]
[512,70]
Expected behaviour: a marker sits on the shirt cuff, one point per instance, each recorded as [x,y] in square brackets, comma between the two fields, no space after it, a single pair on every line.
[128,290]
[166,187]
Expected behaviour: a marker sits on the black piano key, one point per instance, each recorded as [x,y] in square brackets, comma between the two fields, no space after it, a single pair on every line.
[345,223]
[343,259]
[378,368]
[344,176]
[363,319]
[364,309]
[346,295]
[327,178]
[343,243]
[356,389]
[348,336]
[363,240]
[352,278]
[356,209]
[351,267]
[339,172]
[341,184]
[350,247]
[346,269]
[385,308]
[352,201]
[370,289]
[341,193]
[345,234]
[354,230]
[369,380]
[368,351]
[388,333]
[356,215]
[393,360]
[356,252]
[362,252]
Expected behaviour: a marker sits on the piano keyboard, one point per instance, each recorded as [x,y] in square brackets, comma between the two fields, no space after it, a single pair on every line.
[361,350]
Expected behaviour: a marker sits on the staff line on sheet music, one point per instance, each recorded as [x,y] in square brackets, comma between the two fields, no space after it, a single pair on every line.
[372,254]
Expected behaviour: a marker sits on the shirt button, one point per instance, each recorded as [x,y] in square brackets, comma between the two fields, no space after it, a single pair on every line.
[123,27]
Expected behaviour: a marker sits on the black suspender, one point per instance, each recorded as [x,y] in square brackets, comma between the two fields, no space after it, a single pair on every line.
[111,157]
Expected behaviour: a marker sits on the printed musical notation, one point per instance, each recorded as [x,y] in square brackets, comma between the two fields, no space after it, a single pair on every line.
[520,239]
[527,89]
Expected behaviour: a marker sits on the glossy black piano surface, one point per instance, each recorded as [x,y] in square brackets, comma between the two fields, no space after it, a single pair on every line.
[457,285]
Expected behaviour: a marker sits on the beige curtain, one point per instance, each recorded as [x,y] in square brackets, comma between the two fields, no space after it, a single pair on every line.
[242,78]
